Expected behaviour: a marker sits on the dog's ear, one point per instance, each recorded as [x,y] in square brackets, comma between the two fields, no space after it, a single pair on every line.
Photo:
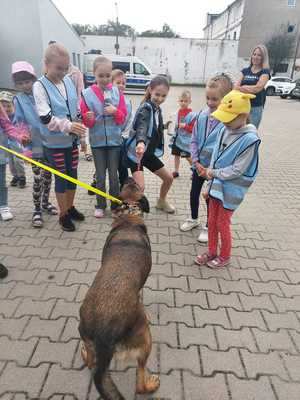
[144,204]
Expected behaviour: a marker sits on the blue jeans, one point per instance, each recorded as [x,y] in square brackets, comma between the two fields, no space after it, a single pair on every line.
[256,115]
[3,187]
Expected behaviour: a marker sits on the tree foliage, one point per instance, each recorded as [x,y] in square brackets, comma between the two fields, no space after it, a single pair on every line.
[280,46]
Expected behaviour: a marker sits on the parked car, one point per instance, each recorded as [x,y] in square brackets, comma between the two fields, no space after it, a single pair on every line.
[280,85]
[138,74]
[296,92]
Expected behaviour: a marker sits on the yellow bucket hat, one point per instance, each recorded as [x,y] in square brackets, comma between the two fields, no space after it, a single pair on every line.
[232,105]
[6,96]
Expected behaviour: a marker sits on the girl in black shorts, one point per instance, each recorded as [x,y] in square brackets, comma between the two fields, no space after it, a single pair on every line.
[146,143]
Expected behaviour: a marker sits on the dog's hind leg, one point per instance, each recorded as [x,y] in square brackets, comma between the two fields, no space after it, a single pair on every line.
[88,354]
[145,383]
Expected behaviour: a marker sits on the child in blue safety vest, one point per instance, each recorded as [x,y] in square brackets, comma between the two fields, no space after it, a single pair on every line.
[104,112]
[57,106]
[205,133]
[181,140]
[232,170]
[24,76]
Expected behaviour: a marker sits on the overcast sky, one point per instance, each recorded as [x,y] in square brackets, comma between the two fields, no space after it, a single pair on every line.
[186,17]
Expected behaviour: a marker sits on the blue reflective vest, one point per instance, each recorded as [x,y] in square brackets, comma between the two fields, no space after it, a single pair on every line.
[206,143]
[183,138]
[131,141]
[232,192]
[25,112]
[105,132]
[61,108]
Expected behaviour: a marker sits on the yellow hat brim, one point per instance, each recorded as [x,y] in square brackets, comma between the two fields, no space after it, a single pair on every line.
[223,116]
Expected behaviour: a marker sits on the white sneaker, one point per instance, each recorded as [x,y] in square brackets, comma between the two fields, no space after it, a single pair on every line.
[99,213]
[203,237]
[6,214]
[165,206]
[189,224]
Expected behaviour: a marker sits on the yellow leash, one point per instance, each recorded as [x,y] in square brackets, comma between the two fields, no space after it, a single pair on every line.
[62,175]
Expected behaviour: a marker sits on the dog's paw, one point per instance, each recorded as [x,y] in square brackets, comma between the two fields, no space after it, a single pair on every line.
[150,385]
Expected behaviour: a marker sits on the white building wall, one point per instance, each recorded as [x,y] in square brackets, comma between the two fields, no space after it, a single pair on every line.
[188,61]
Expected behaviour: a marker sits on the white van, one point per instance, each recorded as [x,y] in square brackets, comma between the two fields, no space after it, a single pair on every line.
[138,74]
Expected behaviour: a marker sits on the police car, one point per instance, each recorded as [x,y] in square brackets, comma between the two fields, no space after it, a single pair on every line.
[138,74]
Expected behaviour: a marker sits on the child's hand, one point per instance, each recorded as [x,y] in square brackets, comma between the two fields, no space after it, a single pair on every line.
[78,129]
[200,169]
[205,194]
[110,110]
[90,116]
[25,139]
[181,125]
[83,147]
[140,150]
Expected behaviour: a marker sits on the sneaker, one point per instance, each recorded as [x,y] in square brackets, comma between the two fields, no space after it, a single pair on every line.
[203,237]
[66,223]
[218,262]
[99,213]
[50,209]
[22,182]
[189,224]
[14,181]
[165,206]
[75,214]
[175,175]
[37,220]
[3,271]
[6,214]
[204,259]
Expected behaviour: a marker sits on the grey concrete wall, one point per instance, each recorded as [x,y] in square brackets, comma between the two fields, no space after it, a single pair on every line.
[20,36]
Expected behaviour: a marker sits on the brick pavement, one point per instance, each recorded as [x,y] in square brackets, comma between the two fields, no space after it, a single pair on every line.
[218,335]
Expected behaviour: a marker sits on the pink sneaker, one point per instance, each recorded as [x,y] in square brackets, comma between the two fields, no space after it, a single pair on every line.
[99,213]
[204,258]
[218,262]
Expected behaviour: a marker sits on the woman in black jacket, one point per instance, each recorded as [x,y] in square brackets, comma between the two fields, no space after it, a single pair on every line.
[146,143]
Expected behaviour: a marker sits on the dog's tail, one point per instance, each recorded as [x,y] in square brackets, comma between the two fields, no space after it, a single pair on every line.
[102,379]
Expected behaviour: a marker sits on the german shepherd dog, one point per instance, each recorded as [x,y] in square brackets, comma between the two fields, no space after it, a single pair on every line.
[112,317]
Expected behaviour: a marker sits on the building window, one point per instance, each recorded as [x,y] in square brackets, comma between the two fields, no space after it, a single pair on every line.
[234,35]
[292,3]
[74,58]
[78,61]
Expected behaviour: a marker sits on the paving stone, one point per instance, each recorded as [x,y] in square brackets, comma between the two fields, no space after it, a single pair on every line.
[188,298]
[283,389]
[18,275]
[204,388]
[80,278]
[65,309]
[286,320]
[263,364]
[58,353]
[211,317]
[224,300]
[8,307]
[12,327]
[19,351]
[292,362]
[24,379]
[26,290]
[67,293]
[294,277]
[40,263]
[64,381]
[187,359]
[158,296]
[240,319]
[44,328]
[16,262]
[6,288]
[274,341]
[250,390]
[228,338]
[76,265]
[240,273]
[165,334]
[35,307]
[276,275]
[241,286]
[296,338]
[262,302]
[70,330]
[204,284]
[259,288]
[170,282]
[59,278]
[174,314]
[215,361]
[197,336]
[287,304]
[290,290]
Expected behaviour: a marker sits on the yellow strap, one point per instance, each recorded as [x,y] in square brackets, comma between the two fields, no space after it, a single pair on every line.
[61,175]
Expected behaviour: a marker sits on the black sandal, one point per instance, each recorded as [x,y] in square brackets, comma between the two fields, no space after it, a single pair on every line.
[3,271]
